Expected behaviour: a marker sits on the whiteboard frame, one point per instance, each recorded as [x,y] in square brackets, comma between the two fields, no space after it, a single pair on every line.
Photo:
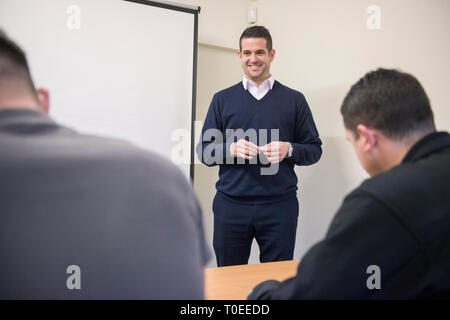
[195,10]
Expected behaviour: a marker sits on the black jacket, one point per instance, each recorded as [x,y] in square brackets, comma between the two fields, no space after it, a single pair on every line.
[393,232]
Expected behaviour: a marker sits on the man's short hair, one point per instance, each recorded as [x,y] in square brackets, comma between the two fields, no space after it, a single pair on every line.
[256,32]
[391,101]
[13,64]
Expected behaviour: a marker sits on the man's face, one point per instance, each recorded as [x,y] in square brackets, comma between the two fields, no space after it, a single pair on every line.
[256,59]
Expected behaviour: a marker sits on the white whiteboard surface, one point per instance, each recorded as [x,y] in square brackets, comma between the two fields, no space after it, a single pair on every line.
[113,68]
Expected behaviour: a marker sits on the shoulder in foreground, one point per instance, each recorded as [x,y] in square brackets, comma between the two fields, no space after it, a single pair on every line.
[400,180]
[113,149]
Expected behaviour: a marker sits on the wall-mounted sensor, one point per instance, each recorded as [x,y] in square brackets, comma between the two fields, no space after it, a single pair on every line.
[252,15]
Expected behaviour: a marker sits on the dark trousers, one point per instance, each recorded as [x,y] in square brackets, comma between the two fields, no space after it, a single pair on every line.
[237,223]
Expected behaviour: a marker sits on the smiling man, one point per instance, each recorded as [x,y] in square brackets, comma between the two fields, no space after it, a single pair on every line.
[264,123]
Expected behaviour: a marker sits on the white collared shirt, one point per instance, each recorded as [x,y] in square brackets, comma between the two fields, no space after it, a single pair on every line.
[261,91]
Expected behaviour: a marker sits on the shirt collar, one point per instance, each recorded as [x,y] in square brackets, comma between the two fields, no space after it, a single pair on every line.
[246,82]
[24,120]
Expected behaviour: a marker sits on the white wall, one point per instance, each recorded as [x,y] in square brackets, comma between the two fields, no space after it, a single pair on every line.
[221,22]
[323,47]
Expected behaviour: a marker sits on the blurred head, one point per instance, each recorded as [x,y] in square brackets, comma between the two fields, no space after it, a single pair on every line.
[385,113]
[16,86]
[256,53]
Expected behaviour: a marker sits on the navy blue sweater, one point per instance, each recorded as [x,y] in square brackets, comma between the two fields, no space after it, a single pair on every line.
[281,108]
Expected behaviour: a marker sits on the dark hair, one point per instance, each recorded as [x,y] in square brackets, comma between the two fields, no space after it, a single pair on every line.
[13,63]
[256,32]
[390,101]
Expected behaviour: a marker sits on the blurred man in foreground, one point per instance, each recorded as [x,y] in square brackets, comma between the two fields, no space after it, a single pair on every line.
[84,217]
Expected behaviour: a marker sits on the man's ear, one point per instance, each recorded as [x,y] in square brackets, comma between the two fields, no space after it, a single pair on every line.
[368,136]
[272,55]
[44,99]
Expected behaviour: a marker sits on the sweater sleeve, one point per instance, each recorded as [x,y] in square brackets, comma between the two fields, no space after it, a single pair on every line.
[307,146]
[212,149]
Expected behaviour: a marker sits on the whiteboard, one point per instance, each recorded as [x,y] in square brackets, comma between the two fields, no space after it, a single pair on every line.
[122,69]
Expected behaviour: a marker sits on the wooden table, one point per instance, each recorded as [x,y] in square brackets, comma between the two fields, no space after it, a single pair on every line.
[236,282]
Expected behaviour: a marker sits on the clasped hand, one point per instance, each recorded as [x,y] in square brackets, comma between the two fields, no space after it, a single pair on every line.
[275,151]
